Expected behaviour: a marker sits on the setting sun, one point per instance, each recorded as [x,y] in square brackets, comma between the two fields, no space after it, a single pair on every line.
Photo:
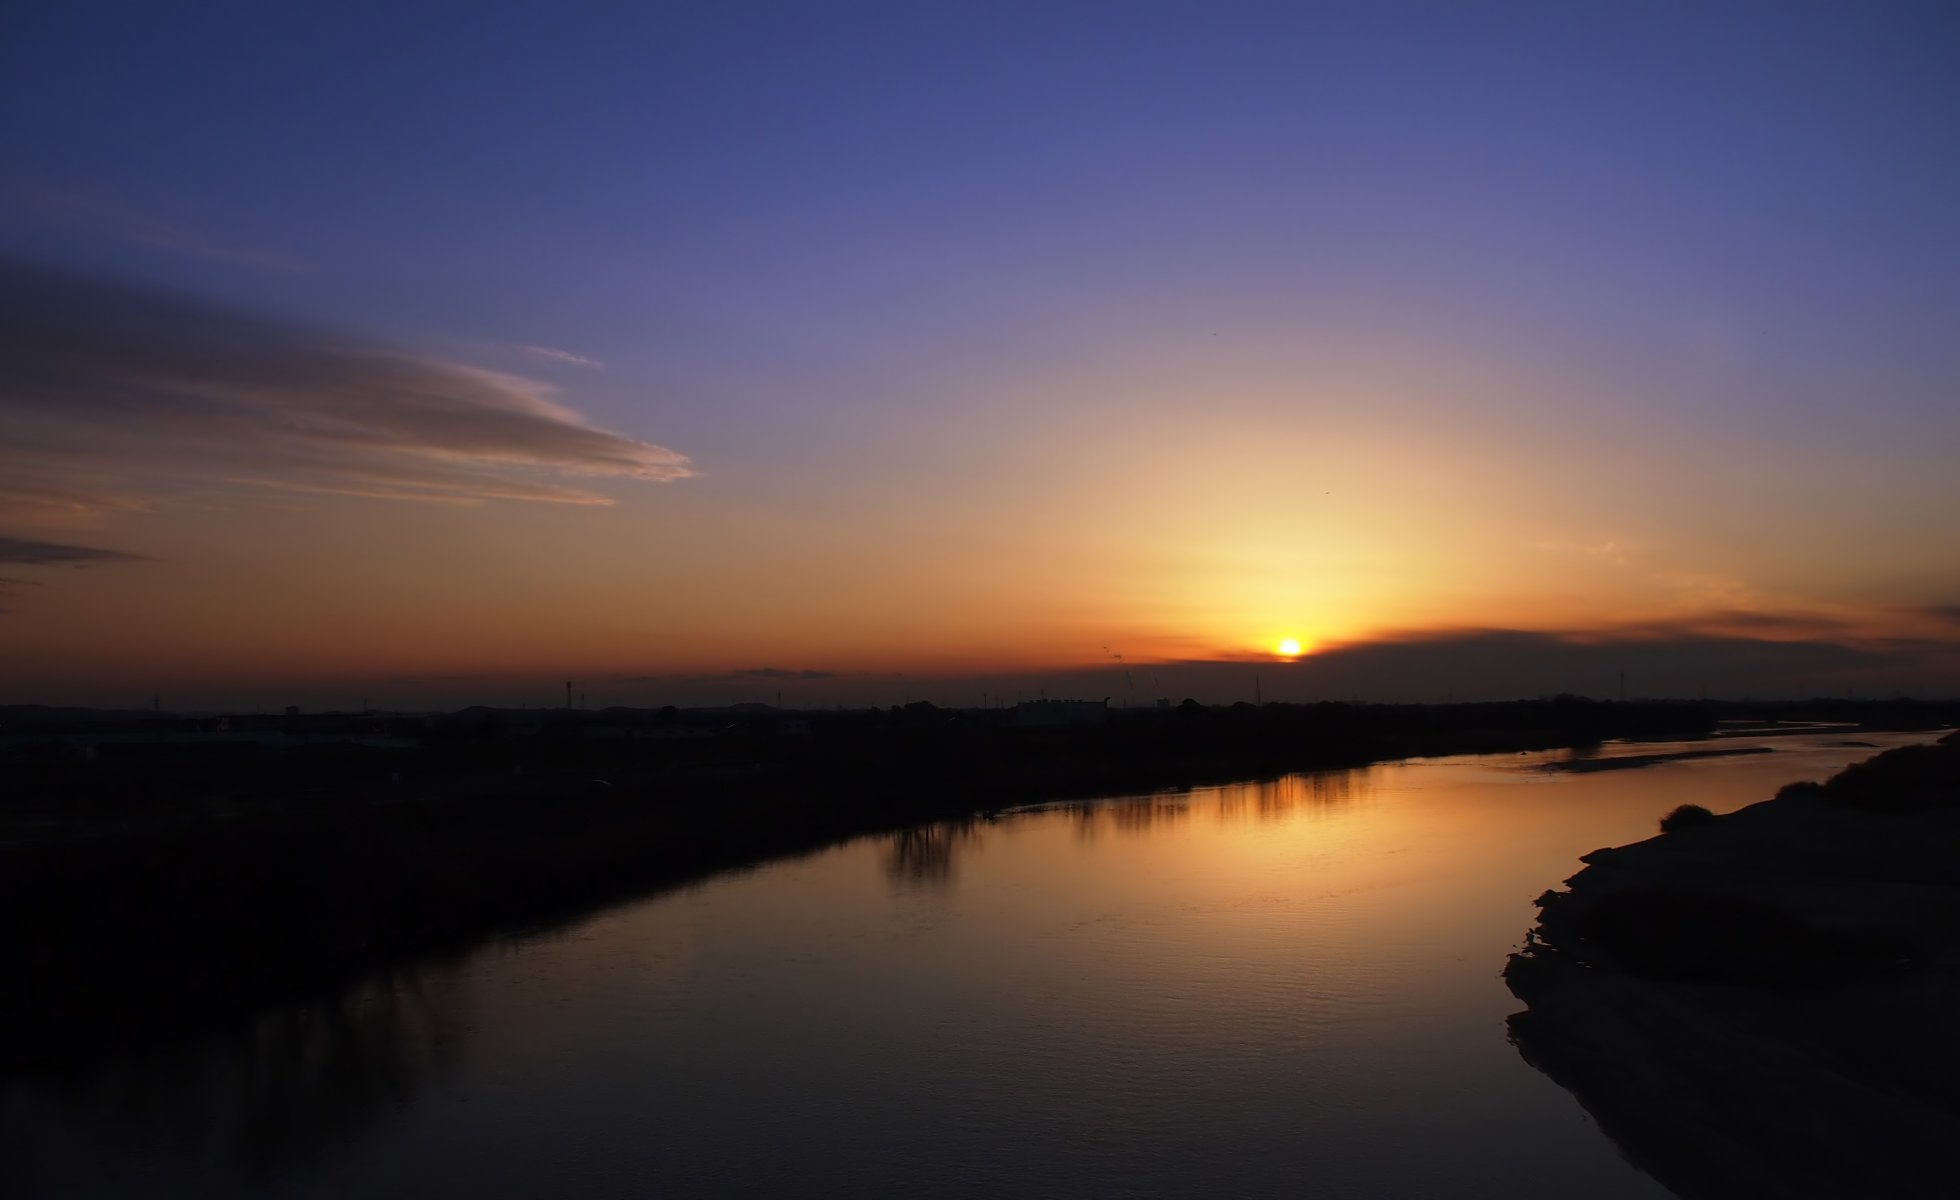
[1289,647]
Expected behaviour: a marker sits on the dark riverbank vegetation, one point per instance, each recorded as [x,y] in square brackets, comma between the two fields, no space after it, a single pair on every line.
[1718,995]
[162,872]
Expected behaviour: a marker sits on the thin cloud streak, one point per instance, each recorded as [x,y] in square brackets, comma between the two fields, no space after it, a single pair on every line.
[144,229]
[97,376]
[563,358]
[11,588]
[34,501]
[29,552]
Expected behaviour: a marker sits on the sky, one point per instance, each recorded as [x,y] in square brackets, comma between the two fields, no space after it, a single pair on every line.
[427,354]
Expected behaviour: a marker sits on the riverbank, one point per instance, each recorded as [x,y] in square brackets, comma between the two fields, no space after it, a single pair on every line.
[1759,1003]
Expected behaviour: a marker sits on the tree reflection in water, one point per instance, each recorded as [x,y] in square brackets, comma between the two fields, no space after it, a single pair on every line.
[1130,815]
[1262,800]
[1271,799]
[923,857]
[242,1106]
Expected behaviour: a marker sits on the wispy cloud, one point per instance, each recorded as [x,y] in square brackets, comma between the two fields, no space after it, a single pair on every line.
[33,501]
[1945,614]
[9,588]
[1612,552]
[147,229]
[563,358]
[780,673]
[1696,601]
[96,376]
[1758,624]
[28,552]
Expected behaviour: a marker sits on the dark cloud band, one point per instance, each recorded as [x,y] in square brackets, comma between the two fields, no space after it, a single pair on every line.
[28,552]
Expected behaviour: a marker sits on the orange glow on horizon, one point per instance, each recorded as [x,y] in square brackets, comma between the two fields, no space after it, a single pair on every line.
[1372,532]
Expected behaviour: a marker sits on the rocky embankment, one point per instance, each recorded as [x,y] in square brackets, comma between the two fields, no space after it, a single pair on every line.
[1762,1004]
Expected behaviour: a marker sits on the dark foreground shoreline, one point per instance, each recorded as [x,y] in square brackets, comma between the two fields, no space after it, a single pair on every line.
[1760,1004]
[227,889]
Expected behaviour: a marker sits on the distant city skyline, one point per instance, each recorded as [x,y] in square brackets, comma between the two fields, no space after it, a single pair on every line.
[438,355]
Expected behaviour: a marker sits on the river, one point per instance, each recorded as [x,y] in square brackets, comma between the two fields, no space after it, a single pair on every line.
[1263,989]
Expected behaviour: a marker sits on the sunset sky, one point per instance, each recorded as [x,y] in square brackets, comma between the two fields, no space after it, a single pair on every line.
[433,354]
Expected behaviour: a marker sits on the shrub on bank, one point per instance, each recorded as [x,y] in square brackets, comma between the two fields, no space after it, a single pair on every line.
[1687,816]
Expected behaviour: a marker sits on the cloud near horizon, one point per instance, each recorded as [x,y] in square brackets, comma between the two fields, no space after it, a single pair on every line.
[1780,658]
[100,377]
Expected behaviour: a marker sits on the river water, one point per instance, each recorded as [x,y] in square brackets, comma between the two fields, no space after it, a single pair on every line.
[1264,989]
